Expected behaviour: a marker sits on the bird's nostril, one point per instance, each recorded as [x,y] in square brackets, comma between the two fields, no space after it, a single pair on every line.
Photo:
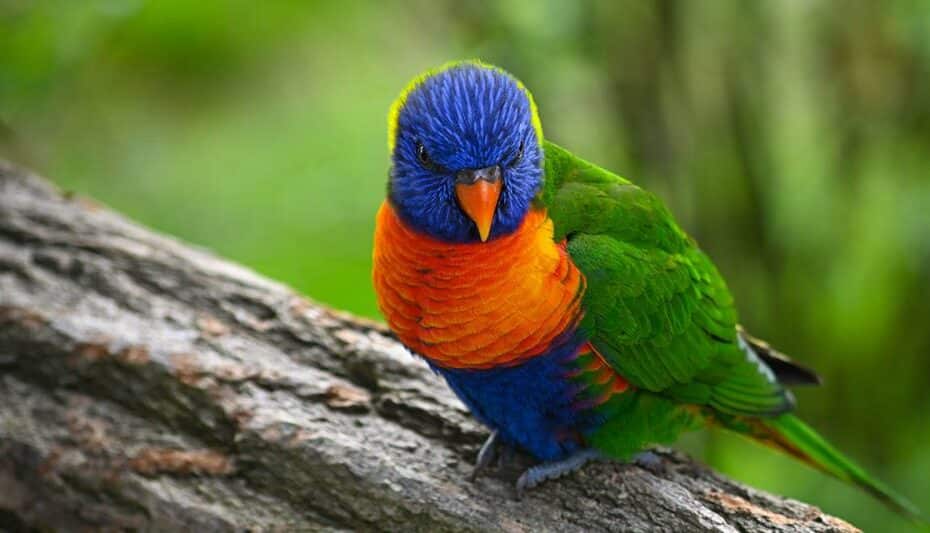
[490,174]
[469,176]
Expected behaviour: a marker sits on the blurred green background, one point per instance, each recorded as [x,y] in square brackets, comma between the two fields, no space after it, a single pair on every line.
[791,138]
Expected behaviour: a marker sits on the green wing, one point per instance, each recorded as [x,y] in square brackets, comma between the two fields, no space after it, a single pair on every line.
[655,306]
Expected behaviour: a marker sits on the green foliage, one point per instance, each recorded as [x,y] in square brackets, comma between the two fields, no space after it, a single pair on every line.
[790,138]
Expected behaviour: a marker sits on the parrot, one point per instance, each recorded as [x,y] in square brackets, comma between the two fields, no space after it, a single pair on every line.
[562,303]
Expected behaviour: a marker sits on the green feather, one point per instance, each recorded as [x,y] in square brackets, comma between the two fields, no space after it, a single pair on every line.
[641,419]
[790,435]
[660,314]
[656,307]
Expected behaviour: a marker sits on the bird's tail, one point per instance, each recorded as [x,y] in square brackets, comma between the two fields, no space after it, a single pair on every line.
[792,436]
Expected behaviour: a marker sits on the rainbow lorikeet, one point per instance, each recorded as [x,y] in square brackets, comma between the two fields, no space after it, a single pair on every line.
[561,302]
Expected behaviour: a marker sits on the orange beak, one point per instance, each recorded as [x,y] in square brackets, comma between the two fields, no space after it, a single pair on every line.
[478,192]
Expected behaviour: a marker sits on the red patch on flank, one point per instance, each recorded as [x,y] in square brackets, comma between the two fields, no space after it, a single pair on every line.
[603,374]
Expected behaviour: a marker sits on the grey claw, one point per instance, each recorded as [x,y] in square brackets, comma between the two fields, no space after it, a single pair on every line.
[523,483]
[485,455]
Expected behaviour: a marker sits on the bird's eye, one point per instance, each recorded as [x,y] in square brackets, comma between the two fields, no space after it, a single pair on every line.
[517,156]
[423,157]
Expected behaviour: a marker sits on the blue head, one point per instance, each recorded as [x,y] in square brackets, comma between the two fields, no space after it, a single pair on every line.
[466,153]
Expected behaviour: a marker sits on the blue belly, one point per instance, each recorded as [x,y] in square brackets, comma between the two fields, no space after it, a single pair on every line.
[530,403]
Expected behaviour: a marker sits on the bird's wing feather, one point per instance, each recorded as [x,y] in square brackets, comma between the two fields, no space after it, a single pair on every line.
[655,307]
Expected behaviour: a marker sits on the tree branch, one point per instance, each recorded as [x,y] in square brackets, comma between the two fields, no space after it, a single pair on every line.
[146,384]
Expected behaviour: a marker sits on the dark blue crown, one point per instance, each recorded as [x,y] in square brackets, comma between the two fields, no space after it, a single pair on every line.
[464,116]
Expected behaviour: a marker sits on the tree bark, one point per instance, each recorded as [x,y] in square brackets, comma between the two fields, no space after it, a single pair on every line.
[147,384]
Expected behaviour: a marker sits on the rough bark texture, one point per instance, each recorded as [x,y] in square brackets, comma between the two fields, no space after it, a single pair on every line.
[146,384]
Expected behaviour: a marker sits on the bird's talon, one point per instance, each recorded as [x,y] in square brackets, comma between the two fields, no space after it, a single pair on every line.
[486,455]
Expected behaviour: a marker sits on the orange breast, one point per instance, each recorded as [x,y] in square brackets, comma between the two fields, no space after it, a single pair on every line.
[475,305]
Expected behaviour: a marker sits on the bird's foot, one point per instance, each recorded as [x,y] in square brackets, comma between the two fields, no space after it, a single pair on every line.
[492,448]
[545,471]
[649,460]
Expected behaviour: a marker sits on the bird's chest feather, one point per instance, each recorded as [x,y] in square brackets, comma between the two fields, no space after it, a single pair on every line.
[481,305]
[499,320]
